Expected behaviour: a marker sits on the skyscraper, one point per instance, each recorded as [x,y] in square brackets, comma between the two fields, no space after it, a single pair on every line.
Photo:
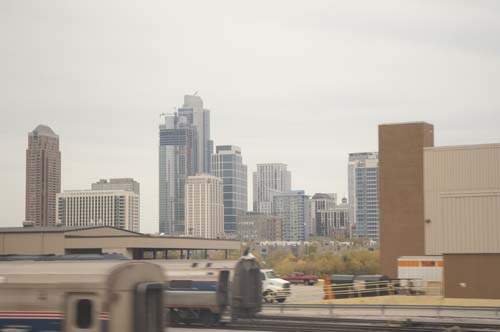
[293,209]
[270,179]
[199,118]
[43,176]
[177,160]
[363,194]
[227,164]
[204,207]
[185,150]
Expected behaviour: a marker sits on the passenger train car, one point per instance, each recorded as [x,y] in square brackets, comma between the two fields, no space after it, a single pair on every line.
[83,296]
[201,291]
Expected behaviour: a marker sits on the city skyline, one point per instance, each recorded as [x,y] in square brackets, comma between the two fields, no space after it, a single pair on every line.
[305,92]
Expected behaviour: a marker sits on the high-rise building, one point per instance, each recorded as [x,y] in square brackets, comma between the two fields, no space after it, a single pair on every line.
[363,194]
[293,209]
[43,176]
[329,218]
[116,208]
[127,184]
[178,155]
[320,202]
[185,150]
[270,179]
[254,226]
[204,207]
[199,118]
[227,164]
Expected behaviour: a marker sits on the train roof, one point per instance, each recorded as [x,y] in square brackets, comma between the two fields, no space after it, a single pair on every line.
[78,274]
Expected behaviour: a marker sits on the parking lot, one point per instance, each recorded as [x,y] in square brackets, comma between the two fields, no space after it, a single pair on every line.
[301,293]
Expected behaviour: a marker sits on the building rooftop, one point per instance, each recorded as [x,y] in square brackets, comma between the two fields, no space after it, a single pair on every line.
[49,229]
[44,130]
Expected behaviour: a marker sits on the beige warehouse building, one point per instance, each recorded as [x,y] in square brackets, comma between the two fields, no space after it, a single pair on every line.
[462,217]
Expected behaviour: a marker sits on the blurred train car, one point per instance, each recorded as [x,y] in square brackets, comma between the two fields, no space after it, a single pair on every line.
[83,296]
[200,291]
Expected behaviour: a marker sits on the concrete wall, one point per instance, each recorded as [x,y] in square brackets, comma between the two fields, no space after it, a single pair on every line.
[401,185]
[462,199]
[472,276]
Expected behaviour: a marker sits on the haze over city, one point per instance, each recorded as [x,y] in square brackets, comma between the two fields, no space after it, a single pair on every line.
[290,83]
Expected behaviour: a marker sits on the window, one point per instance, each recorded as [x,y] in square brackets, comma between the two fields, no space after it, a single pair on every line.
[84,313]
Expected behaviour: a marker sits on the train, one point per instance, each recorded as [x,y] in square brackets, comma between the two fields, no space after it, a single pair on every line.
[98,294]
[202,291]
[81,296]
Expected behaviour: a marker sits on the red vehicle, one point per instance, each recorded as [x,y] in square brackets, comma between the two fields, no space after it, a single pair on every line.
[301,278]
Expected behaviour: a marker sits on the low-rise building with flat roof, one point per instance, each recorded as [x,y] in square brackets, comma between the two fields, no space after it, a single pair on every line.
[102,240]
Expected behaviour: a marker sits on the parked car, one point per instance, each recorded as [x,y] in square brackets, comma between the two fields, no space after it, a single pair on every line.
[301,278]
[273,287]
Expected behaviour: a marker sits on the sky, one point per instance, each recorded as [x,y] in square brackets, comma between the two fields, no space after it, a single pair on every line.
[299,82]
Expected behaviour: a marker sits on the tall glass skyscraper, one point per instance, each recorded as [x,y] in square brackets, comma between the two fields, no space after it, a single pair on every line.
[199,118]
[177,161]
[227,164]
[185,150]
[363,194]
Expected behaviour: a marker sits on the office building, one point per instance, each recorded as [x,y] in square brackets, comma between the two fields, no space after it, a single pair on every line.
[43,176]
[116,208]
[204,207]
[333,222]
[268,180]
[363,194]
[293,209]
[126,184]
[320,202]
[227,164]
[258,227]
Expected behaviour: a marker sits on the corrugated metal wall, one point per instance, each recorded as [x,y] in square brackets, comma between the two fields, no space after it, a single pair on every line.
[462,199]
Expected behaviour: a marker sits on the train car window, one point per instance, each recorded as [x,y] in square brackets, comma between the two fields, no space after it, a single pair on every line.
[84,313]
[180,284]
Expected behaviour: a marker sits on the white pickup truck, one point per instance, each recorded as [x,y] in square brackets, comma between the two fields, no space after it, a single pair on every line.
[274,288]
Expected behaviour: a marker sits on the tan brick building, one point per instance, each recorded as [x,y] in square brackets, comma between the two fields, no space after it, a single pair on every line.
[401,185]
[43,176]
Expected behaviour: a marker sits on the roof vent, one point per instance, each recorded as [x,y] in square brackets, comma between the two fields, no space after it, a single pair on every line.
[28,223]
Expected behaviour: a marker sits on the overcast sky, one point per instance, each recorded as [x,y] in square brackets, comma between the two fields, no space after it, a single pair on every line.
[298,82]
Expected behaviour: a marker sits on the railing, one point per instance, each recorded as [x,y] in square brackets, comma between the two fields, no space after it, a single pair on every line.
[386,310]
[354,290]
